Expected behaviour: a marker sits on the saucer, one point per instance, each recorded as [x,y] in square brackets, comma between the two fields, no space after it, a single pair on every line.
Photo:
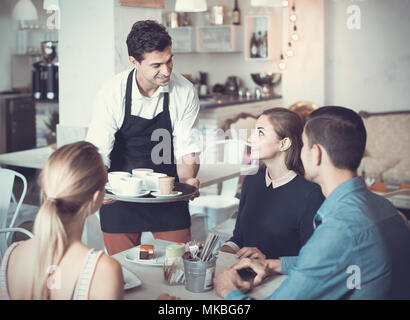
[141,194]
[158,259]
[172,195]
[130,279]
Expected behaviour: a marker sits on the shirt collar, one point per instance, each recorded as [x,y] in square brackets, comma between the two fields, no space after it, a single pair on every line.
[351,185]
[276,183]
[136,94]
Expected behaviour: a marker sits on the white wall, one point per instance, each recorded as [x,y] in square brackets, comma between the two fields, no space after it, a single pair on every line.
[92,50]
[5,48]
[304,76]
[86,56]
[124,18]
[368,69]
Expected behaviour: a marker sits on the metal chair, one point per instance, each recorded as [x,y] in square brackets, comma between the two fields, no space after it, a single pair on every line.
[7,178]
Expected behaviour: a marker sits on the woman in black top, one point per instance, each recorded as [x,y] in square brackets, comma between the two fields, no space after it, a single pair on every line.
[277,206]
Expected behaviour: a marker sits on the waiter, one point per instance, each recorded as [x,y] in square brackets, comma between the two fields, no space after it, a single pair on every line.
[128,109]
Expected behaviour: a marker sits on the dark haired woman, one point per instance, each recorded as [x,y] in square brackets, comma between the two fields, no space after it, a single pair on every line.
[131,114]
[277,207]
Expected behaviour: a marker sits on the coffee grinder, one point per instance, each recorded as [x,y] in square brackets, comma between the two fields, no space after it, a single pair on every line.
[45,73]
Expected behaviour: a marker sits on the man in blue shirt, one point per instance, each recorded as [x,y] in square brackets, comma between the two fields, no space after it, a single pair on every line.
[360,248]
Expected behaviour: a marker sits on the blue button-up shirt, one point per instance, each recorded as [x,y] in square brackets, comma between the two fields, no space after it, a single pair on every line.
[360,249]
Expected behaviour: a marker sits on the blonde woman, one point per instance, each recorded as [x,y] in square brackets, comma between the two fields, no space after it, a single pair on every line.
[55,264]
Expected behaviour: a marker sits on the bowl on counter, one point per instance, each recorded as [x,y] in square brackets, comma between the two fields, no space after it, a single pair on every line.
[266,79]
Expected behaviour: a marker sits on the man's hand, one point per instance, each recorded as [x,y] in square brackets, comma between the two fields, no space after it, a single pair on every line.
[227,249]
[262,268]
[251,253]
[166,296]
[108,201]
[230,280]
[192,182]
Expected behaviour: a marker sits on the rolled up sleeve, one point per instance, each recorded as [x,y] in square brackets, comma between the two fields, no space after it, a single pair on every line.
[320,270]
[187,137]
[237,295]
[287,263]
[104,124]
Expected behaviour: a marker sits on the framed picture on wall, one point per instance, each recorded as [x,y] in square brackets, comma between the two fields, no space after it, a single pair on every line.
[143,3]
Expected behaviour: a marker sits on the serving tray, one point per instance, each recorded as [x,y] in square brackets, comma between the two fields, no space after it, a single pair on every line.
[187,192]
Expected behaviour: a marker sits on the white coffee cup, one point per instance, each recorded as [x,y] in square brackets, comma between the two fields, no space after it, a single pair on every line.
[115,176]
[130,186]
[141,173]
[151,180]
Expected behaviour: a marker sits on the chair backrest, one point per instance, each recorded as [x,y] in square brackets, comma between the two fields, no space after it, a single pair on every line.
[303,108]
[7,178]
[241,126]
[227,151]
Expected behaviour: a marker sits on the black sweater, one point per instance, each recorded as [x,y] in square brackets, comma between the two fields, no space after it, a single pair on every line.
[277,221]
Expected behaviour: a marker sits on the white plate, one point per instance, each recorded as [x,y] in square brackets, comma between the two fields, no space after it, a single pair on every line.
[130,279]
[133,255]
[141,194]
[173,194]
[108,187]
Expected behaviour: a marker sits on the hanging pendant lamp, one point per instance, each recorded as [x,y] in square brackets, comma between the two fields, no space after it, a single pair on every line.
[25,10]
[190,6]
[266,3]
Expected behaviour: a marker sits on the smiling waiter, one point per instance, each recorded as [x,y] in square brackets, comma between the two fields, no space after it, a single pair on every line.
[128,109]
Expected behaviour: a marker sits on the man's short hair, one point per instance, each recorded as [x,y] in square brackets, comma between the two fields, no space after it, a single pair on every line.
[341,132]
[147,36]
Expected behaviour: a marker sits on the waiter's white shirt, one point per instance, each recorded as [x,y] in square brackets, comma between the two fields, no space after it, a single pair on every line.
[109,112]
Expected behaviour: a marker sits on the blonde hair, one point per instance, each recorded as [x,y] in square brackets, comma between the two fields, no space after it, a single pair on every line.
[71,176]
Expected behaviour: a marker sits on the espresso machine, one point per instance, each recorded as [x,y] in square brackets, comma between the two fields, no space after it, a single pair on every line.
[45,73]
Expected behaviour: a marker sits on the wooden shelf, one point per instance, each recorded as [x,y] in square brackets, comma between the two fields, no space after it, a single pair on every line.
[270,23]
[207,39]
[223,38]
[182,39]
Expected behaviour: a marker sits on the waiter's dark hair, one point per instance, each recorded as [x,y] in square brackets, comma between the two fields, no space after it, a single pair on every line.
[147,36]
[341,132]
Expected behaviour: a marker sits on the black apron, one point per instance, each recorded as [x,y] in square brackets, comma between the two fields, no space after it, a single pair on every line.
[132,149]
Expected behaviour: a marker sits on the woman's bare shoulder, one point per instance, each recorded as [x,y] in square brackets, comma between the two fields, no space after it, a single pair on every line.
[108,282]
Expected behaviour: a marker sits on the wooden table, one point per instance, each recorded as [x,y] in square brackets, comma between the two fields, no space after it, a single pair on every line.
[399,197]
[33,158]
[208,174]
[153,283]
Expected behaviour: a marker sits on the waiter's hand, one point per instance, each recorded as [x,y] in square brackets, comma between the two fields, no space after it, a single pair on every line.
[192,182]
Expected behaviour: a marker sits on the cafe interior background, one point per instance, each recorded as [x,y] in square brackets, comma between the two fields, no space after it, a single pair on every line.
[321,52]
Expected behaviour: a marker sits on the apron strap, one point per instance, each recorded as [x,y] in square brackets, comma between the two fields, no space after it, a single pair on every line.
[128,94]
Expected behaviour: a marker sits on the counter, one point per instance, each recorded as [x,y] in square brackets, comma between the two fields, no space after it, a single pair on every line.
[225,100]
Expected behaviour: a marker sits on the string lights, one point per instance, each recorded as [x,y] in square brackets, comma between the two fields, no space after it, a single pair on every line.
[282,63]
[294,36]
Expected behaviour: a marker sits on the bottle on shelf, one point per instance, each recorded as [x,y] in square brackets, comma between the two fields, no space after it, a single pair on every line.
[263,45]
[236,14]
[261,49]
[254,51]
